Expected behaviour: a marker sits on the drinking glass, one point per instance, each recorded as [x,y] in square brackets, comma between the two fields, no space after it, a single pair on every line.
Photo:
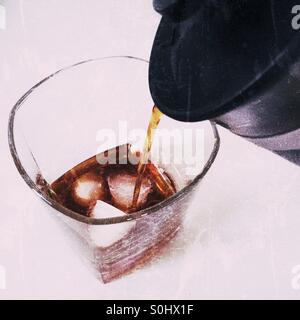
[88,108]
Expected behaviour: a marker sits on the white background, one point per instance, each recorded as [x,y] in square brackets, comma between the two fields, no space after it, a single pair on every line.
[246,231]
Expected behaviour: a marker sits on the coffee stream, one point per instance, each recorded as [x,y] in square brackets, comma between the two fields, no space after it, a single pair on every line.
[165,187]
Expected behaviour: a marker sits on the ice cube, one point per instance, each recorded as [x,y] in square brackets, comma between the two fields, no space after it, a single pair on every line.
[122,186]
[106,235]
[88,188]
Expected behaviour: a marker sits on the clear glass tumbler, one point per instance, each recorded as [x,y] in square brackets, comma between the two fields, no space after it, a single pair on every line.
[88,108]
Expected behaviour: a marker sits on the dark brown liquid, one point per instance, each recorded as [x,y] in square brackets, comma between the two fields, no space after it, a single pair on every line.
[163,184]
[81,187]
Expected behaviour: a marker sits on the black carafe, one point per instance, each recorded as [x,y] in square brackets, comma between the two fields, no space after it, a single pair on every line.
[236,62]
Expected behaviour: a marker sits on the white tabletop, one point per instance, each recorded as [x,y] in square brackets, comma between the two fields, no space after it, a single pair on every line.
[244,238]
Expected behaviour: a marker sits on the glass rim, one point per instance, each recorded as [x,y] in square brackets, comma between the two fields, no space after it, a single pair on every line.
[72,214]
